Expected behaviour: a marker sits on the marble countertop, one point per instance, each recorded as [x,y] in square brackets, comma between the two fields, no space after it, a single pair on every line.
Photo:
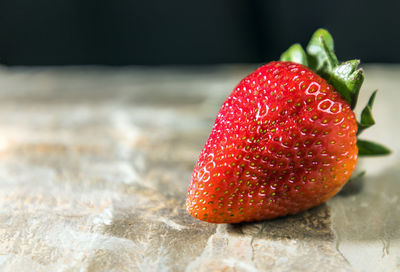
[95,163]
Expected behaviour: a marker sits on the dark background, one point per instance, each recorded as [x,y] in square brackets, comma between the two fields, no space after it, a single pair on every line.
[64,32]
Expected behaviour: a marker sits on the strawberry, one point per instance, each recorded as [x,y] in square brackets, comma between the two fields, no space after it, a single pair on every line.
[285,140]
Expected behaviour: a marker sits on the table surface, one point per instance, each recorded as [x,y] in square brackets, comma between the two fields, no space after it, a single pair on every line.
[95,163]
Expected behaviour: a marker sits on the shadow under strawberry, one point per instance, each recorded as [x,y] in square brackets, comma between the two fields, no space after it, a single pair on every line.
[312,224]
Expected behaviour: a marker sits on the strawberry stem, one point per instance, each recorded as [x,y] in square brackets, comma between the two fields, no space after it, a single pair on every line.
[346,77]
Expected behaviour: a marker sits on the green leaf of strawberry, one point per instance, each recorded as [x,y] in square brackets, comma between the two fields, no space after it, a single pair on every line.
[368,148]
[321,54]
[295,53]
[366,115]
[285,138]
[347,80]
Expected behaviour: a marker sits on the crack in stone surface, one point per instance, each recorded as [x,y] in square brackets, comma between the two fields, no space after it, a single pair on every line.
[366,223]
[277,245]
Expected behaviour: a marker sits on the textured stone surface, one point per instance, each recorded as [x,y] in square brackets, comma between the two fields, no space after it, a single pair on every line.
[95,163]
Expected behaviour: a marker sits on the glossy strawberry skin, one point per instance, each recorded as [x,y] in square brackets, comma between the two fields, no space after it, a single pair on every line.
[283,141]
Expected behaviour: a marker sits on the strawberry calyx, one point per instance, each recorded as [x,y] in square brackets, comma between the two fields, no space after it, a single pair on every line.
[345,76]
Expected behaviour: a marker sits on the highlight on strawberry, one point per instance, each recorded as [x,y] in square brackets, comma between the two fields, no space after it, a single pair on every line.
[285,140]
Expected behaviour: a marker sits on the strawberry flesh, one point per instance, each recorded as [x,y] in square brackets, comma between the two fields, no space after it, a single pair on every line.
[283,141]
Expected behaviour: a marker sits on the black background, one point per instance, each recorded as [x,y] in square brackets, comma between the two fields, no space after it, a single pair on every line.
[64,32]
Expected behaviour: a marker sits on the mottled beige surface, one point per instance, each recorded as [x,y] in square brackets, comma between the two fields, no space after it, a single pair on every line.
[95,163]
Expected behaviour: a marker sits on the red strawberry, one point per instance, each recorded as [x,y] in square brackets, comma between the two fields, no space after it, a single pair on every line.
[283,141]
